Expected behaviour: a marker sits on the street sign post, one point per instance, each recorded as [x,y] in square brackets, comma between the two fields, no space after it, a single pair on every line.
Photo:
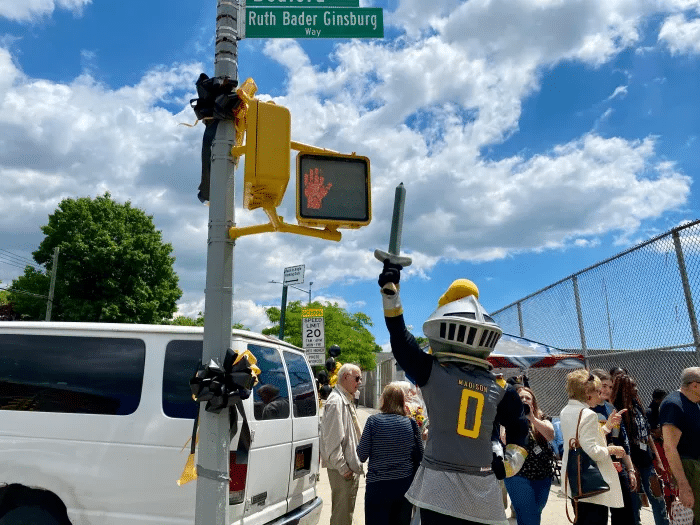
[294,275]
[313,335]
[314,22]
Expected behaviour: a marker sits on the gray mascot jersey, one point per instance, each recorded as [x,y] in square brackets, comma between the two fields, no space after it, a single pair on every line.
[455,477]
[462,405]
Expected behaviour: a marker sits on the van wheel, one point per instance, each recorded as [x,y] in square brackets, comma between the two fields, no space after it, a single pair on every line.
[29,516]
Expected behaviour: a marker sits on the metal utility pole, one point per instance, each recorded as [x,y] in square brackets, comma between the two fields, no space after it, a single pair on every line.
[214,441]
[283,311]
[54,267]
[284,302]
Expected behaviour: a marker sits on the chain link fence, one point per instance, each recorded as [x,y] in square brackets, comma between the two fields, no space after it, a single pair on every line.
[636,310]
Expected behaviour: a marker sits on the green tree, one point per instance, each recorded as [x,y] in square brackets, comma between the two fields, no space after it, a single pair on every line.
[348,331]
[182,320]
[29,292]
[113,266]
[422,341]
[4,296]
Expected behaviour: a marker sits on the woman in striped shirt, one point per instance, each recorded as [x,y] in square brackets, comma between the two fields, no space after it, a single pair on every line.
[392,443]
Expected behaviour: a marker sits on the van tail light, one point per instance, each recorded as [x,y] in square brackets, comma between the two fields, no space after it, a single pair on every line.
[237,472]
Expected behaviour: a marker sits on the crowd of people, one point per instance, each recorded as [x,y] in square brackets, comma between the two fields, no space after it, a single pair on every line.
[456,442]
[648,456]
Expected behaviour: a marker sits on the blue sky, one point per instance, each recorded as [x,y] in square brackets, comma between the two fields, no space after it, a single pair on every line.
[534,137]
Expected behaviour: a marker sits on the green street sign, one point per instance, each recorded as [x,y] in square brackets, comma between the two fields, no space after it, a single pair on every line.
[303,3]
[314,22]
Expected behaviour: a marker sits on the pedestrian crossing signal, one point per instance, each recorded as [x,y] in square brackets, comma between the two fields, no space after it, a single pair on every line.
[333,190]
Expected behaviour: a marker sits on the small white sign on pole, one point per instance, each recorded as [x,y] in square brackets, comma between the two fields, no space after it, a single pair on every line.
[315,358]
[294,274]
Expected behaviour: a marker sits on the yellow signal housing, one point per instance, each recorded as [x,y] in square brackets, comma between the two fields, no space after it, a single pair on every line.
[267,151]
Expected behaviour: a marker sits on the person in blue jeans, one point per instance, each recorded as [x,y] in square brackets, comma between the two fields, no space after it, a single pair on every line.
[529,488]
[642,447]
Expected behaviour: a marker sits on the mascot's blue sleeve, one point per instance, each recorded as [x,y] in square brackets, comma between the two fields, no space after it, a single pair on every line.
[416,363]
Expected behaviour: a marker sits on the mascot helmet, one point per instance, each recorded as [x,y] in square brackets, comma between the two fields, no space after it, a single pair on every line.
[460,325]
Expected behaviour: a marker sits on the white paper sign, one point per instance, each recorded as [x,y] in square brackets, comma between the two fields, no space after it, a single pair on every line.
[294,274]
[315,358]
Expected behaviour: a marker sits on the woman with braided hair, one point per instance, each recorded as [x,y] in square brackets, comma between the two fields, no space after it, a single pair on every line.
[642,447]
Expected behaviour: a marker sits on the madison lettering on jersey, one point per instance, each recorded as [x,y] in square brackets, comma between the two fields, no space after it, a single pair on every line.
[473,386]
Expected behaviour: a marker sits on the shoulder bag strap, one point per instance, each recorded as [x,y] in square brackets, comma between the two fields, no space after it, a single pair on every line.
[566,477]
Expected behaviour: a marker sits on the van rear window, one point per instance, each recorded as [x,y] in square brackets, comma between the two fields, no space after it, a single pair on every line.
[82,375]
[303,391]
[270,395]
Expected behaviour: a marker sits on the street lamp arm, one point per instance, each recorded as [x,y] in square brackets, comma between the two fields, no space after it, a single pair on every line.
[296,287]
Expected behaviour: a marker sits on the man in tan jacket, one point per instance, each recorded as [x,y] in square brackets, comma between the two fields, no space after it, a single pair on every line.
[340,434]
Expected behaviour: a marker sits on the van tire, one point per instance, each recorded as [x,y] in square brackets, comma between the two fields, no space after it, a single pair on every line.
[29,515]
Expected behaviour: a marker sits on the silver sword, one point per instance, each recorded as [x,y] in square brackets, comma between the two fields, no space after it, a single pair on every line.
[395,239]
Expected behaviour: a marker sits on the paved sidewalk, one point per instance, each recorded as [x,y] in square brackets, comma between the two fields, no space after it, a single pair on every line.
[554,513]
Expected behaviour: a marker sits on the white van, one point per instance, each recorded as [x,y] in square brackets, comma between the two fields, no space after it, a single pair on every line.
[94,419]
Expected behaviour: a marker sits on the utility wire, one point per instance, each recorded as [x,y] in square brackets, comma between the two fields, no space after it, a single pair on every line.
[22,292]
[7,262]
[17,261]
[18,258]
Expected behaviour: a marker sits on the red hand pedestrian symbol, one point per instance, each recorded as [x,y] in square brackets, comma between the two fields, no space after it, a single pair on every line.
[314,190]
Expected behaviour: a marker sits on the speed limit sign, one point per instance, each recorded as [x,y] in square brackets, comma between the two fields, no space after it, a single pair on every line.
[313,335]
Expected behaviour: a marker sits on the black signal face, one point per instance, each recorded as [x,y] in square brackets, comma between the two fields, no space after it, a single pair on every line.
[333,189]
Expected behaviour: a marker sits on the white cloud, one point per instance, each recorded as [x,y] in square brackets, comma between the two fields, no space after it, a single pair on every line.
[620,91]
[680,34]
[423,109]
[31,10]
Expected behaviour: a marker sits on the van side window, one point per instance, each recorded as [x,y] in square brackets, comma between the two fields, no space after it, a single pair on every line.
[69,374]
[303,391]
[182,358]
[270,395]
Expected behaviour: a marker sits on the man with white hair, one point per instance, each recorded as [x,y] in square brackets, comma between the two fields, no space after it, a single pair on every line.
[340,435]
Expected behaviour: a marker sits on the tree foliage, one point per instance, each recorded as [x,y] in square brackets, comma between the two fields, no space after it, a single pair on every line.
[183,320]
[113,266]
[348,331]
[422,341]
[29,294]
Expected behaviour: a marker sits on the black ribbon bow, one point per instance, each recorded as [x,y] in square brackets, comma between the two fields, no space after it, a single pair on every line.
[217,100]
[222,386]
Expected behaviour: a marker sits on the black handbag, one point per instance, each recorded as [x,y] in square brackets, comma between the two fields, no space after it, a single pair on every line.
[582,473]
